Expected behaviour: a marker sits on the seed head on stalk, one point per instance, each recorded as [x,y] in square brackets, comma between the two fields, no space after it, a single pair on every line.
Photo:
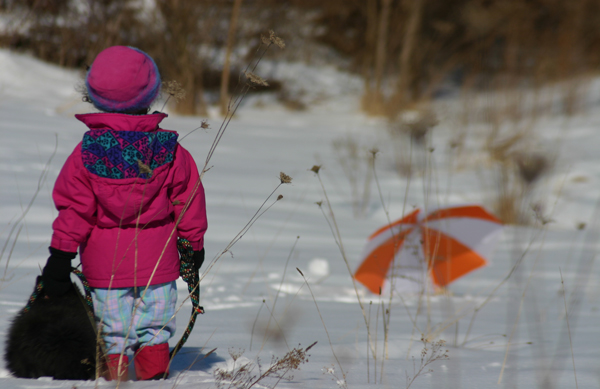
[254,79]
[284,178]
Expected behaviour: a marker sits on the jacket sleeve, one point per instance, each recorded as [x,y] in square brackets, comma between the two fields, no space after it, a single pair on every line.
[76,204]
[187,197]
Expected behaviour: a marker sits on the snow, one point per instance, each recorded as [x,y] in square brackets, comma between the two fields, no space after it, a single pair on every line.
[37,103]
[318,267]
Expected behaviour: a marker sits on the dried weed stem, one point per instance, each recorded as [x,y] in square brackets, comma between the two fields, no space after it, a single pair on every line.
[338,240]
[243,376]
[20,219]
[562,281]
[437,353]
[520,309]
[325,327]
[259,212]
[287,179]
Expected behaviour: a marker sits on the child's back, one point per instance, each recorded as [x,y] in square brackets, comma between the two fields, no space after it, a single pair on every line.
[124,195]
[120,195]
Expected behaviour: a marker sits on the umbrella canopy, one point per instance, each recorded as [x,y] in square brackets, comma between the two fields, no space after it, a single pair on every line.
[445,244]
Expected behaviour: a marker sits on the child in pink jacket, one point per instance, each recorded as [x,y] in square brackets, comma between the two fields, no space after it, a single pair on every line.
[124,195]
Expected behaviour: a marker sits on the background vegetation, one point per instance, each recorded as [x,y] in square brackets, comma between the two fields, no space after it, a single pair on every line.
[405,50]
[529,56]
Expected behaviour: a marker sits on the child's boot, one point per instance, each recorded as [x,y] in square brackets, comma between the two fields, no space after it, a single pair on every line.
[152,362]
[116,366]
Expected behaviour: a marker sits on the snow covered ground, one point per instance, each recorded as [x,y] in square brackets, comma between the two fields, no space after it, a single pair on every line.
[37,103]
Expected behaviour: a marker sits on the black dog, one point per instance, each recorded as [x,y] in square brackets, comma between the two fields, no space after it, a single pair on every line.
[55,338]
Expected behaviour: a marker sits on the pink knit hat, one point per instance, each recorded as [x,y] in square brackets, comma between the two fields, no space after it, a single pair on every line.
[122,79]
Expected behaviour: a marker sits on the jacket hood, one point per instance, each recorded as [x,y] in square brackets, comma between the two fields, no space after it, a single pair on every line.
[121,121]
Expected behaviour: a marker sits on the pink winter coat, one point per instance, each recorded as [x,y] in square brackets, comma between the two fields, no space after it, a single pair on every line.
[119,197]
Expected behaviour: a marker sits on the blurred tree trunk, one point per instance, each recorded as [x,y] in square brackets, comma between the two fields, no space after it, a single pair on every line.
[382,34]
[404,94]
[370,38]
[571,59]
[373,102]
[180,57]
[194,102]
[225,75]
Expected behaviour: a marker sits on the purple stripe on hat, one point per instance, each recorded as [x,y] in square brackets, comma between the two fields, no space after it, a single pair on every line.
[123,79]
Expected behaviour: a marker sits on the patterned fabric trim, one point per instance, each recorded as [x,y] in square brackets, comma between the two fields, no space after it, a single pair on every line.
[126,154]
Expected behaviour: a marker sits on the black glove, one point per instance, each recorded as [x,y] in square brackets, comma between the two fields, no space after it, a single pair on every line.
[56,275]
[198,259]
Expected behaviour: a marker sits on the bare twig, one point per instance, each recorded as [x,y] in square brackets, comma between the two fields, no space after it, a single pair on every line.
[568,327]
[338,240]
[41,181]
[437,353]
[254,324]
[325,327]
[280,284]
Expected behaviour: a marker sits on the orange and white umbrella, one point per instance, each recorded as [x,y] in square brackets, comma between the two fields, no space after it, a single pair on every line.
[445,244]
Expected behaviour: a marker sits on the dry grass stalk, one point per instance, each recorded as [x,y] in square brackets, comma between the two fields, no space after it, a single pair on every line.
[338,239]
[513,331]
[330,370]
[259,212]
[255,217]
[352,158]
[531,166]
[514,268]
[344,384]
[368,359]
[21,218]
[387,312]
[585,273]
[276,334]
[288,179]
[403,152]
[254,324]
[250,374]
[254,79]
[517,170]
[428,356]
[284,178]
[562,282]
[519,174]
[174,90]
[144,169]
[265,40]
[416,122]
[231,110]
[273,39]
[236,100]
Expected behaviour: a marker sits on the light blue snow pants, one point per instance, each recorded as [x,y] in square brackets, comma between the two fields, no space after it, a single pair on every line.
[128,321]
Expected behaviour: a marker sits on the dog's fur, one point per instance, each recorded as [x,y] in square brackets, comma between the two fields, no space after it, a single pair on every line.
[54,338]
